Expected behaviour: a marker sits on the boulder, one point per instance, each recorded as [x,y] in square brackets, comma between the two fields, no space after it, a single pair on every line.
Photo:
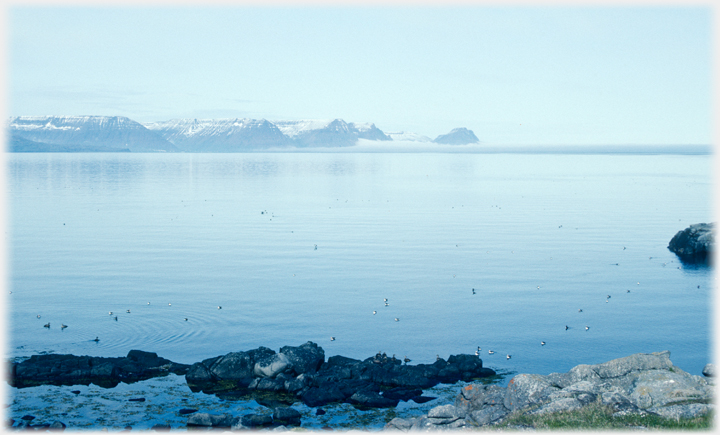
[709,370]
[306,358]
[694,244]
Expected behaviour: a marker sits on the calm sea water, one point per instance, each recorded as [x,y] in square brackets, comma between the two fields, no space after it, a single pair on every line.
[302,247]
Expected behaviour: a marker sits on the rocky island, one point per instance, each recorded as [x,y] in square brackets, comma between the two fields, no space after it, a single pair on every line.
[694,244]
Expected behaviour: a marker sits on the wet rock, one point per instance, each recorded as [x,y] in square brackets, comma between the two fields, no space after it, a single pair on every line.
[422,399]
[28,417]
[255,420]
[137,399]
[317,397]
[694,244]
[372,399]
[209,420]
[57,426]
[401,393]
[286,416]
[75,391]
[185,411]
[320,411]
[58,369]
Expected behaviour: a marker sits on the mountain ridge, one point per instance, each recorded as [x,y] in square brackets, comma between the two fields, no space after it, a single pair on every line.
[116,133]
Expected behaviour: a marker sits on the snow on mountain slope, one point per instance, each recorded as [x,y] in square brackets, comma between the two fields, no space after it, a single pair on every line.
[85,132]
[408,137]
[220,135]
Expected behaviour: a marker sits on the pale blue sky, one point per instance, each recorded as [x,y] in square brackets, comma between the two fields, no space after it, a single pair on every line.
[514,75]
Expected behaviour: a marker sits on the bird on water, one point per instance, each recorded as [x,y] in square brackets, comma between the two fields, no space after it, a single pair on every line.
[490,352]
[397,320]
[542,343]
[63,326]
[96,340]
[509,356]
[332,338]
[47,325]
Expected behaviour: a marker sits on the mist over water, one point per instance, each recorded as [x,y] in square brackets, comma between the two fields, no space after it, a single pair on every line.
[302,247]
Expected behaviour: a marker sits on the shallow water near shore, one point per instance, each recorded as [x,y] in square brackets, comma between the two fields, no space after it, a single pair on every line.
[279,249]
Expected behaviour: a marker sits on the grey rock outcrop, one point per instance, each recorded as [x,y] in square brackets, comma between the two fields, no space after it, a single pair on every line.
[637,384]
[694,244]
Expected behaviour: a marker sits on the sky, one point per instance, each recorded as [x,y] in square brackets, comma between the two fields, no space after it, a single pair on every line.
[514,75]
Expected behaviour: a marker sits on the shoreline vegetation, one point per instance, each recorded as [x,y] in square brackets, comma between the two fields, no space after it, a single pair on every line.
[638,391]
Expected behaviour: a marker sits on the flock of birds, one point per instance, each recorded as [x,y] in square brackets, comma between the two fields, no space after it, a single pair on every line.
[381,356]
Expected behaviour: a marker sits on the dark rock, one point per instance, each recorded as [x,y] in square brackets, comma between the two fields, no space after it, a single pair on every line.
[256,420]
[372,399]
[75,391]
[267,384]
[235,369]
[286,416]
[400,393]
[161,428]
[186,411]
[422,399]
[306,358]
[138,399]
[694,244]
[319,411]
[317,397]
[57,369]
[209,420]
[28,417]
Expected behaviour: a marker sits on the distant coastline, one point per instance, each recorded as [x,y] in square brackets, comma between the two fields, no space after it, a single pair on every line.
[120,134]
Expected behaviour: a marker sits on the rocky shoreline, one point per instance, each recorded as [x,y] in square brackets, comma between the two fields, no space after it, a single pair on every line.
[641,384]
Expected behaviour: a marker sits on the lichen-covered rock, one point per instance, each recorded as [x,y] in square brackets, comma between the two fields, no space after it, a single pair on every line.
[694,244]
[643,384]
[527,389]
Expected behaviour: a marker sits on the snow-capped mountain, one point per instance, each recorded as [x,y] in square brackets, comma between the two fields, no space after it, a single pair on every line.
[220,135]
[228,135]
[83,133]
[116,133]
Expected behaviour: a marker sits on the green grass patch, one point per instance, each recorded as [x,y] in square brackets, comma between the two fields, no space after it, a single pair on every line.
[600,417]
